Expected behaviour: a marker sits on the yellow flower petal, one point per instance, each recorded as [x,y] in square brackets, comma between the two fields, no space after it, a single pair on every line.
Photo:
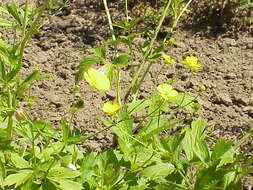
[111,107]
[192,62]
[168,59]
[166,91]
[97,79]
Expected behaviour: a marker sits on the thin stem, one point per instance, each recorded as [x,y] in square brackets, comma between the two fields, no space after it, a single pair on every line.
[134,87]
[181,13]
[126,10]
[118,85]
[177,19]
[109,19]
[32,29]
[25,15]
[10,117]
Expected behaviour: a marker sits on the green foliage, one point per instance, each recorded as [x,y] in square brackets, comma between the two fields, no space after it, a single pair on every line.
[35,155]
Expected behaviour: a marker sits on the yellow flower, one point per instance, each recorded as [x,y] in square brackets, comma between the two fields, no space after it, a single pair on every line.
[97,79]
[192,62]
[168,59]
[111,107]
[166,91]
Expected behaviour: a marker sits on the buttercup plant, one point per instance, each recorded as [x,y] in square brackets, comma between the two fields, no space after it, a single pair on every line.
[36,156]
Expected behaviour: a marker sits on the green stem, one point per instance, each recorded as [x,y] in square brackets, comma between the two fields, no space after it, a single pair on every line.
[10,117]
[177,19]
[33,27]
[118,85]
[24,19]
[109,19]
[134,87]
[126,10]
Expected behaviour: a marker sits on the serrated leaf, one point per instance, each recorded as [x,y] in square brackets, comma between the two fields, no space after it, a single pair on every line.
[63,173]
[223,152]
[228,178]
[221,147]
[205,179]
[158,170]
[18,178]
[19,162]
[122,60]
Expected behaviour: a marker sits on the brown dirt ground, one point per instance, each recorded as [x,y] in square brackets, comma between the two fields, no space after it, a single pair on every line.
[69,36]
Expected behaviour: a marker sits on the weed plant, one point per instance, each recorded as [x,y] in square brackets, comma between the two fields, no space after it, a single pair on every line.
[36,156]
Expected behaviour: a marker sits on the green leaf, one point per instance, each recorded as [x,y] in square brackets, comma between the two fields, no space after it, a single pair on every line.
[6,23]
[100,51]
[85,65]
[221,147]
[137,105]
[228,179]
[65,130]
[2,174]
[206,179]
[14,12]
[198,127]
[63,173]
[65,184]
[188,144]
[97,79]
[30,78]
[87,165]
[19,162]
[158,170]
[18,178]
[185,101]
[122,60]
[201,150]
[223,152]
[157,126]
[11,75]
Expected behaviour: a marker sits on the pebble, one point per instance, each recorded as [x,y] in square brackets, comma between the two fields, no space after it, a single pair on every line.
[223,98]
[230,76]
[247,74]
[238,100]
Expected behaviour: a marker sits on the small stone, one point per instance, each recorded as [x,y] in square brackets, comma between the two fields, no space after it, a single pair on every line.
[55,100]
[222,98]
[248,111]
[230,76]
[238,100]
[248,74]
[63,75]
[179,44]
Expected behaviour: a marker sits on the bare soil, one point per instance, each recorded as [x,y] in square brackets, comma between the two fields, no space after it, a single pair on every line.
[70,35]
